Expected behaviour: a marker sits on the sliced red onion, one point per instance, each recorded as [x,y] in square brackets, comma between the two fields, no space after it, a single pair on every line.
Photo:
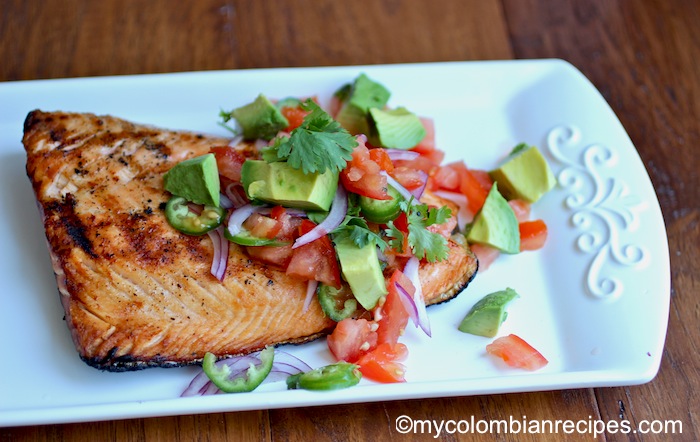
[235,141]
[221,248]
[339,209]
[296,212]
[408,302]
[225,202]
[400,154]
[285,364]
[408,196]
[310,292]
[236,198]
[198,385]
[284,359]
[418,191]
[195,208]
[411,271]
[238,216]
[260,144]
[464,215]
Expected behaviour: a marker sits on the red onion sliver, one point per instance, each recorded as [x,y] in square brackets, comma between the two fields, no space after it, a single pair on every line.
[339,209]
[411,271]
[295,212]
[408,196]
[310,292]
[418,192]
[198,385]
[235,221]
[236,198]
[260,144]
[195,208]
[235,141]
[221,246]
[289,359]
[408,302]
[464,216]
[400,154]
[225,202]
[284,364]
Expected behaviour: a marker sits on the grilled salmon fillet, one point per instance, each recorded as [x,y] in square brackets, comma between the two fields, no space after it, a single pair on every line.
[136,292]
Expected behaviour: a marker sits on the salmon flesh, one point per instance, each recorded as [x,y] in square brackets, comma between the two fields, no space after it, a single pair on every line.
[136,292]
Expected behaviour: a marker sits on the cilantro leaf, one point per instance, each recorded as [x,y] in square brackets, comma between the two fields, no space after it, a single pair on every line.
[395,236]
[437,215]
[357,230]
[320,143]
[423,243]
[426,244]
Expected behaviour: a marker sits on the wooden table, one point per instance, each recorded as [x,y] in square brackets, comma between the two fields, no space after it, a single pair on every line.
[643,55]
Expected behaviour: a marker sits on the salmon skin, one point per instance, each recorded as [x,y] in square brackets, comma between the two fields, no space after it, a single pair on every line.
[136,292]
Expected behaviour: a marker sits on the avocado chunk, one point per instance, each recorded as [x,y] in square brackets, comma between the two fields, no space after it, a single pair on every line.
[195,179]
[525,174]
[361,269]
[396,128]
[260,119]
[487,315]
[364,95]
[495,224]
[280,183]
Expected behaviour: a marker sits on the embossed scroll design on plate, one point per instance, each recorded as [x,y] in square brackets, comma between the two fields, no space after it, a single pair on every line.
[604,211]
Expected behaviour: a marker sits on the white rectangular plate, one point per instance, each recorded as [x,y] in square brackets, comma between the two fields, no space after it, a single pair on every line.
[594,300]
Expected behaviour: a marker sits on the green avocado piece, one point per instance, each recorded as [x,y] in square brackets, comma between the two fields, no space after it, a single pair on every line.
[495,224]
[361,269]
[195,179]
[260,119]
[525,174]
[396,128]
[487,315]
[364,95]
[280,183]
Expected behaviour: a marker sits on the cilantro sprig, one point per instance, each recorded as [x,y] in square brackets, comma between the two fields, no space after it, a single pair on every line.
[320,143]
[356,228]
[424,244]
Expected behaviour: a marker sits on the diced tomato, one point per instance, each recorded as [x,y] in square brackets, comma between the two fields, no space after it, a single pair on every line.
[381,157]
[533,234]
[401,222]
[409,178]
[471,186]
[229,161]
[278,212]
[517,353]
[521,209]
[351,338]
[381,364]
[427,144]
[277,256]
[295,116]
[483,178]
[315,260]
[261,226]
[485,254]
[280,255]
[446,178]
[423,163]
[362,175]
[394,316]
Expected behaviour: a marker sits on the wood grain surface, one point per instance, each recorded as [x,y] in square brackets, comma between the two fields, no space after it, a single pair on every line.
[643,55]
